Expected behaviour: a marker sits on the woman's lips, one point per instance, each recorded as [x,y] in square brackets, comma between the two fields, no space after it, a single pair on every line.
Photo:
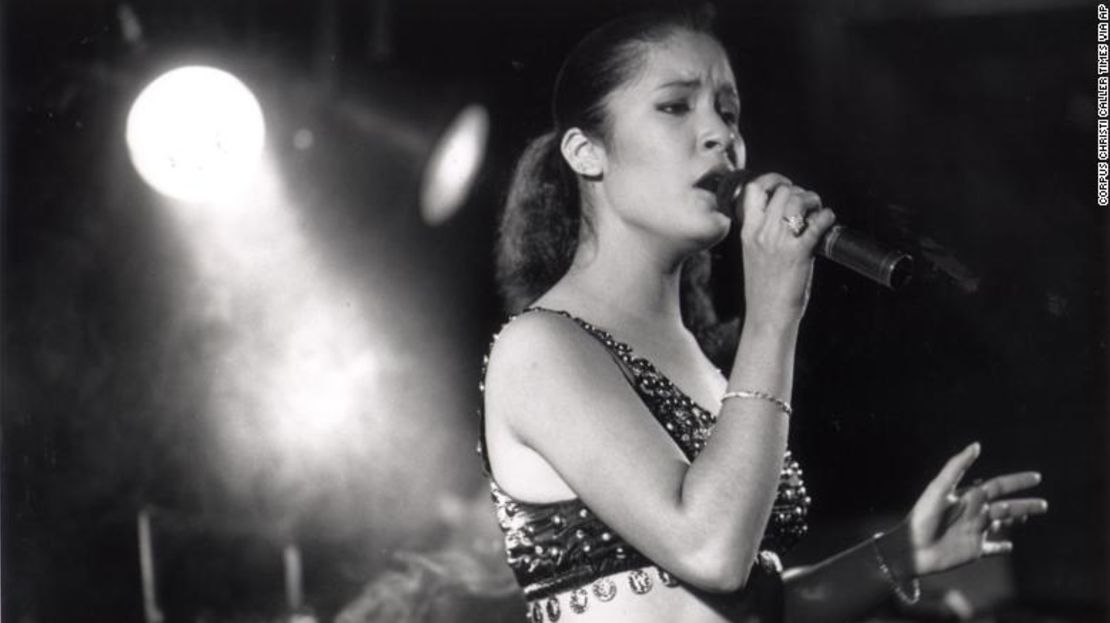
[709,183]
[711,179]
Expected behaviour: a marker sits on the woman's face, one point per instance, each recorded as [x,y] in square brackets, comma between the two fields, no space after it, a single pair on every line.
[668,126]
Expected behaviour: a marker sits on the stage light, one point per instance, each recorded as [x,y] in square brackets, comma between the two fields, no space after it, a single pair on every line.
[453,165]
[442,146]
[196,133]
[303,367]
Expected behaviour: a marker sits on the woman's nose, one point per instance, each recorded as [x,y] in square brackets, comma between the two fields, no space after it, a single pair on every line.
[718,135]
[728,141]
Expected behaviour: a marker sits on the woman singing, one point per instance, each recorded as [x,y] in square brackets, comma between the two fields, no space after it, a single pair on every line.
[635,482]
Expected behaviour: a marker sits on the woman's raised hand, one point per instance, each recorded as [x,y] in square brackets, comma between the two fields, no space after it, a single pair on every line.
[949,527]
[782,223]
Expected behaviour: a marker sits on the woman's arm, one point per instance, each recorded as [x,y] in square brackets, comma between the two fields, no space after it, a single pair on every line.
[945,529]
[553,391]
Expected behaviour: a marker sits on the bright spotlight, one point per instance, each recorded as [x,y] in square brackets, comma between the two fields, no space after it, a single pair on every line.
[195,133]
[453,165]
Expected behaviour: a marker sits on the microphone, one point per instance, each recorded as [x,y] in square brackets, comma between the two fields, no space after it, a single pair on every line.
[851,249]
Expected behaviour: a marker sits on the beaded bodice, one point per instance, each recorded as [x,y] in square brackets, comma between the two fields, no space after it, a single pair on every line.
[553,547]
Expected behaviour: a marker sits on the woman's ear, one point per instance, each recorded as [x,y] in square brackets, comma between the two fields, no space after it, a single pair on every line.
[584,156]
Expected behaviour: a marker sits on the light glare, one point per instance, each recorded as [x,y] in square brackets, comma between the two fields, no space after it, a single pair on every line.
[196,133]
[453,165]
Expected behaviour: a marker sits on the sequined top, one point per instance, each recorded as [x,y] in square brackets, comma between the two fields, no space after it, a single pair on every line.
[557,546]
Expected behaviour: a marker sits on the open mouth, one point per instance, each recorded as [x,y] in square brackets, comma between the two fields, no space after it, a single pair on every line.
[725,184]
[711,180]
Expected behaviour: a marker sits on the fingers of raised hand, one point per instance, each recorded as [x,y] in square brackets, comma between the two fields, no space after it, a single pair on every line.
[976,505]
[1017,518]
[995,540]
[1003,515]
[986,496]
[995,548]
[1017,509]
[990,522]
[1001,527]
[972,510]
[976,519]
[1001,486]
[950,475]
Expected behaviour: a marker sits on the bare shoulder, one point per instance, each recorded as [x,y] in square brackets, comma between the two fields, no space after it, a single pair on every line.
[542,361]
[541,336]
[559,411]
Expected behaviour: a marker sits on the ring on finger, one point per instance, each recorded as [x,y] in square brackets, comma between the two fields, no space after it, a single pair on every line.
[796,223]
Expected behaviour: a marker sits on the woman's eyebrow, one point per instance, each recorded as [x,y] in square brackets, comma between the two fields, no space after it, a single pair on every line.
[728,89]
[692,83]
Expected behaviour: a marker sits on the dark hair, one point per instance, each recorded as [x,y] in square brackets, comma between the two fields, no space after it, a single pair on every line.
[543,219]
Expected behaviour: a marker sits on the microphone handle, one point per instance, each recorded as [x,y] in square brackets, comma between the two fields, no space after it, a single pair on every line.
[853,250]
[884,265]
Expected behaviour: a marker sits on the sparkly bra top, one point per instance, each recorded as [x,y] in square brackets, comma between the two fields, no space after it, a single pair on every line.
[557,546]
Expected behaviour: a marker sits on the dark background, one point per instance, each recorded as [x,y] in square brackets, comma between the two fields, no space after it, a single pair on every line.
[963,131]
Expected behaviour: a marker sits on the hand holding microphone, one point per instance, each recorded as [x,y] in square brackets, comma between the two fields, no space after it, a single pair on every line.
[853,250]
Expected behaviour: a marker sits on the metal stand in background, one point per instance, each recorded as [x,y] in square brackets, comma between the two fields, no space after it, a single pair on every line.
[151,612]
[294,587]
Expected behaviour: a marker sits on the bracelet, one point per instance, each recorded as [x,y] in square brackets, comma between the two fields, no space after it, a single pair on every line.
[740,393]
[915,585]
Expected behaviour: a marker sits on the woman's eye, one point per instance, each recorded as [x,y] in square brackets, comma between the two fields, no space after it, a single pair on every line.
[730,116]
[675,108]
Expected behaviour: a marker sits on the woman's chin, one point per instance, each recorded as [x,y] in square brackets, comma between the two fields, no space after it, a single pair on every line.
[711,232]
[717,229]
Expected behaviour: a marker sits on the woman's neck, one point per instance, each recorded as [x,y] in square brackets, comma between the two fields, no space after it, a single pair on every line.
[623,282]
